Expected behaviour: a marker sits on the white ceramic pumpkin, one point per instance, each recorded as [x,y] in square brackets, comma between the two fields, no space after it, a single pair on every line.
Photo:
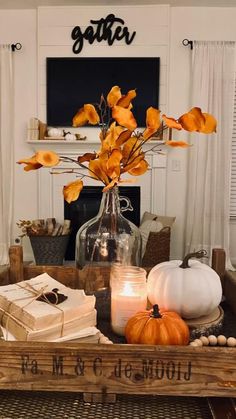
[188,287]
[55,132]
[69,136]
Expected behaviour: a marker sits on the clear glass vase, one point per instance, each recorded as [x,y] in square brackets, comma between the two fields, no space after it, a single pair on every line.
[105,239]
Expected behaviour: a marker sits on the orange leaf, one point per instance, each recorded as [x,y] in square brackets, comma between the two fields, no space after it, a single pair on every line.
[30,166]
[72,191]
[27,160]
[86,157]
[97,169]
[133,163]
[193,120]
[131,149]
[113,96]
[210,124]
[189,122]
[123,137]
[124,117]
[140,169]
[110,185]
[86,114]
[109,142]
[80,118]
[91,114]
[125,100]
[30,163]
[153,122]
[171,122]
[47,158]
[197,112]
[113,164]
[182,144]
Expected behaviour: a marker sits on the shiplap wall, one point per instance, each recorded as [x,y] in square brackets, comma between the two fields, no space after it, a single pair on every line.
[55,25]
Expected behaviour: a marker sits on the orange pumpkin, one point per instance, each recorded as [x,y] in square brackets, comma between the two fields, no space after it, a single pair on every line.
[157,327]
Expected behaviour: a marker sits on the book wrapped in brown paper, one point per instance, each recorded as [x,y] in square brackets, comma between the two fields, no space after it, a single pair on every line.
[58,330]
[20,302]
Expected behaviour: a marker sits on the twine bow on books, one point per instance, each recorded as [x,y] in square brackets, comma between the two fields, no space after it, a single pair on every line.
[52,298]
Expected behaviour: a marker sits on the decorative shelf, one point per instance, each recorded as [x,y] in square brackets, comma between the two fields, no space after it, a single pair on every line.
[78,146]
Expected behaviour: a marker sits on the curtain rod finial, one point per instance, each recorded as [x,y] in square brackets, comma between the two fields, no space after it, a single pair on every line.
[16,46]
[187,42]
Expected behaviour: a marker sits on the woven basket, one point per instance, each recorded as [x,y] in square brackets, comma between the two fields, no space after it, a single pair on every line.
[157,248]
[49,250]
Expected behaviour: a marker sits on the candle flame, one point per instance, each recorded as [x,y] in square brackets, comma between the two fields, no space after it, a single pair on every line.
[128,290]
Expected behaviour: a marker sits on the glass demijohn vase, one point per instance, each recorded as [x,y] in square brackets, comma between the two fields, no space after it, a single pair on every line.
[105,239]
[109,237]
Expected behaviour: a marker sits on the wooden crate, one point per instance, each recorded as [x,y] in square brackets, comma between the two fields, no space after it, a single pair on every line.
[102,371]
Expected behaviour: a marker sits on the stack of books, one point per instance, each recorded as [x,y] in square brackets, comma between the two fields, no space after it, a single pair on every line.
[42,309]
[33,129]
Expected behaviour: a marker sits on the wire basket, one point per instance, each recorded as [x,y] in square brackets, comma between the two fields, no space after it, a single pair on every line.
[49,250]
[158,248]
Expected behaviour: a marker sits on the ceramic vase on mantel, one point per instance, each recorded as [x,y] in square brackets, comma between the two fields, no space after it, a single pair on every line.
[106,239]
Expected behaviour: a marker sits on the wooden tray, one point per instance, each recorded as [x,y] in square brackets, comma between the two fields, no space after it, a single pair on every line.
[102,371]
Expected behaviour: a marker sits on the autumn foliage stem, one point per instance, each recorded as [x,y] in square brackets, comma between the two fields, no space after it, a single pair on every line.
[66,159]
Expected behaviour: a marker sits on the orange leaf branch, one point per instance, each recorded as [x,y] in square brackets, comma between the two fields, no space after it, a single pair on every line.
[121,148]
[83,166]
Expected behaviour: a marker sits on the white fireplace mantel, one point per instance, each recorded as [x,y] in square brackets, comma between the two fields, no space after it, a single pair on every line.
[50,199]
[78,146]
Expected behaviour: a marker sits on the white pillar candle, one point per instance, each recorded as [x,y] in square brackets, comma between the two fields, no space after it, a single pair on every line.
[128,295]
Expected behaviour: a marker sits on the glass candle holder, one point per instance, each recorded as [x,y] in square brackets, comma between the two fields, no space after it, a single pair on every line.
[128,295]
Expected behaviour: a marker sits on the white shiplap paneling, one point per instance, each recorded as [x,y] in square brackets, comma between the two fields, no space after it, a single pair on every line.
[103,50]
[142,17]
[151,23]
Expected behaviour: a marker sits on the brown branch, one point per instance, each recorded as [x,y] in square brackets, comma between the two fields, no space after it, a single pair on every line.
[63,158]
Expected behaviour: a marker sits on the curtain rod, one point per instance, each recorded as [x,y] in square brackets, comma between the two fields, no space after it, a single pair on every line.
[187,42]
[16,46]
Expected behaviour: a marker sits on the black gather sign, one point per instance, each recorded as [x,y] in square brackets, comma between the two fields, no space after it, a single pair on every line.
[108,29]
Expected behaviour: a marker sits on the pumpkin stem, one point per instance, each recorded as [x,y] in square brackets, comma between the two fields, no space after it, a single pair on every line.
[200,254]
[155,312]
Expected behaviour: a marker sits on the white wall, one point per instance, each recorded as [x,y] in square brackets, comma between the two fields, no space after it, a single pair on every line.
[20,26]
[193,23]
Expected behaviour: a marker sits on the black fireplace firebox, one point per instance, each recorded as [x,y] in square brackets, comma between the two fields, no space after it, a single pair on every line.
[87,207]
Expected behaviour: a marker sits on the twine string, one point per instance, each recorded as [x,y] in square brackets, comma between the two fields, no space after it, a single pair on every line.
[36,294]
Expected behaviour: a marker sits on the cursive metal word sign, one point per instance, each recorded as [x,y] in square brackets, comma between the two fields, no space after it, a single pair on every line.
[108,29]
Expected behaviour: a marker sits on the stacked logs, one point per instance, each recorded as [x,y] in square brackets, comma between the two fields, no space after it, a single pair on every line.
[41,227]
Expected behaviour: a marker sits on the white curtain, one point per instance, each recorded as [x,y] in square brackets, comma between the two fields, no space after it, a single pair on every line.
[6,151]
[208,192]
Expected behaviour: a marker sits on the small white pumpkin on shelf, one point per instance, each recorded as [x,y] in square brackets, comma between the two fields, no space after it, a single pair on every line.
[189,287]
[69,136]
[55,132]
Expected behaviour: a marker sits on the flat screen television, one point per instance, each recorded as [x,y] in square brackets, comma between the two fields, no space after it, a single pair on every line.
[72,82]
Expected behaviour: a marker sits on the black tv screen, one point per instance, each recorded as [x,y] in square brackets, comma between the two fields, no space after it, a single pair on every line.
[72,82]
